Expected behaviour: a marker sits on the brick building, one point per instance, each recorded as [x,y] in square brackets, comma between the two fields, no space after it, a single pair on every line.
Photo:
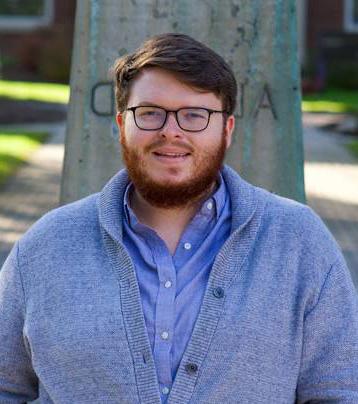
[36,40]
[36,43]
[331,41]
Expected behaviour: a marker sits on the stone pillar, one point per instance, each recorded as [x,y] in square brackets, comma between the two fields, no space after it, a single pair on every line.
[257,37]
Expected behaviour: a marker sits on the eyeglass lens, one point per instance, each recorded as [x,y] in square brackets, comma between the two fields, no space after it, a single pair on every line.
[191,119]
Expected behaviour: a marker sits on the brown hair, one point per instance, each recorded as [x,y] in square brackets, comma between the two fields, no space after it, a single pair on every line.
[189,60]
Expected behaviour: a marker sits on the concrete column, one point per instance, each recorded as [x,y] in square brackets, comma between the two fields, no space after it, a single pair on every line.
[257,37]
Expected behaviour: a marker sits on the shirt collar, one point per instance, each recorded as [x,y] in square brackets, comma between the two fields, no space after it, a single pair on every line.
[246,201]
[129,214]
[212,206]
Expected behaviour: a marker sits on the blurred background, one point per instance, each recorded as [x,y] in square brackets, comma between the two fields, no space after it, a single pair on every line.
[36,38]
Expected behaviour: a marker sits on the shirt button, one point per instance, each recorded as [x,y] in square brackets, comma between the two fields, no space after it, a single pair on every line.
[164,335]
[187,246]
[165,390]
[209,205]
[167,284]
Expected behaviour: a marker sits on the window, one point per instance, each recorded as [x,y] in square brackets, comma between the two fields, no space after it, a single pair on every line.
[351,15]
[19,15]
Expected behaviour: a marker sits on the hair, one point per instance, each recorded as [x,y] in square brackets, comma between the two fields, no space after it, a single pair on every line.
[190,61]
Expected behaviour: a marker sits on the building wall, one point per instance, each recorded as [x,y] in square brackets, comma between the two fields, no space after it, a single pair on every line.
[323,16]
[43,53]
[331,49]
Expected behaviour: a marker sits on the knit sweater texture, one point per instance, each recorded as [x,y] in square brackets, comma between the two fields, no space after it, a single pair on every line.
[278,321]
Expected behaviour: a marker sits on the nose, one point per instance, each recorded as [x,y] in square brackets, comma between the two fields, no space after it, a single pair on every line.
[171,126]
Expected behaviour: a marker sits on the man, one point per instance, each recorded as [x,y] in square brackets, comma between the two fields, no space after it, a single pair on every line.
[179,281]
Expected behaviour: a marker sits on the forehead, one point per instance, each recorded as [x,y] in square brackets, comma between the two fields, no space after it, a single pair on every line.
[163,88]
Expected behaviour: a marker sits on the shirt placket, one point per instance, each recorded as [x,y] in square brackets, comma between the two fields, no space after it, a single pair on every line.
[164,315]
[193,234]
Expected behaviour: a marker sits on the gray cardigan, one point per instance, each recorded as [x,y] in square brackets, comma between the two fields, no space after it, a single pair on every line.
[278,322]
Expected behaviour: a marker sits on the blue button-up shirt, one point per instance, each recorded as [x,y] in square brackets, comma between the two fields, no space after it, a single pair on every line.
[172,286]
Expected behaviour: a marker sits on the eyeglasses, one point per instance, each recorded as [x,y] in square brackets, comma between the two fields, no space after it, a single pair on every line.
[189,119]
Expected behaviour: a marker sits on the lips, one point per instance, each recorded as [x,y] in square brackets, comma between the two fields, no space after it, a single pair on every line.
[170,157]
[171,154]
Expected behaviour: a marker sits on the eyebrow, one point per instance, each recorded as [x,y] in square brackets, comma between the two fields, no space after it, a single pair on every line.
[149,104]
[153,104]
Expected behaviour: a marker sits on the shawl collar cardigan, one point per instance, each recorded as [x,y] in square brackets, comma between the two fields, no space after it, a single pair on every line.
[244,207]
[278,321]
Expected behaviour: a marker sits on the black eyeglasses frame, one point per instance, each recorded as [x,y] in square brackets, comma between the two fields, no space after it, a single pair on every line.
[167,111]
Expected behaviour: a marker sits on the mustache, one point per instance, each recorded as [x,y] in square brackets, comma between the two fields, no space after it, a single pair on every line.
[162,142]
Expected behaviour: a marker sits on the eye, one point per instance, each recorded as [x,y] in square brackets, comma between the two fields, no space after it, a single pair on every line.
[149,112]
[195,114]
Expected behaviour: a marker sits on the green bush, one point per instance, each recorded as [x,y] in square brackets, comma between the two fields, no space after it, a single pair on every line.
[343,74]
[353,147]
[19,8]
[54,62]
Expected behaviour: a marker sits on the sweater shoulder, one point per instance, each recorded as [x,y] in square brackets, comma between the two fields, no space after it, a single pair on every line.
[63,225]
[301,228]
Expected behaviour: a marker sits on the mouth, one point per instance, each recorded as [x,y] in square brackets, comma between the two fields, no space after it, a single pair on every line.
[171,157]
[172,154]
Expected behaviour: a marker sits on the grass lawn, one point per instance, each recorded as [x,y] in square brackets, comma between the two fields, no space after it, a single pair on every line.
[46,92]
[353,147]
[331,101]
[15,148]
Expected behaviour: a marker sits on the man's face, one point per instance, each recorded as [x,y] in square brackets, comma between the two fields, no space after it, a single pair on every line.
[171,167]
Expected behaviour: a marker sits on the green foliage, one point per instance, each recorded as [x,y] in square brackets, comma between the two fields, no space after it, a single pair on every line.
[54,61]
[353,147]
[15,148]
[46,92]
[331,101]
[343,74]
[22,8]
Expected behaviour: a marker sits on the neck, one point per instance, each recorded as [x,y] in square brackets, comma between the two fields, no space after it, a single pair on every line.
[168,223]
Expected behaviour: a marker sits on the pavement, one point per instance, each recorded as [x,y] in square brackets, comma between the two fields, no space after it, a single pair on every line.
[331,183]
[34,190]
[331,178]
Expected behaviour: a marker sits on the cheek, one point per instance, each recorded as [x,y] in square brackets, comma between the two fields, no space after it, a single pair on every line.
[209,143]
[129,133]
[135,140]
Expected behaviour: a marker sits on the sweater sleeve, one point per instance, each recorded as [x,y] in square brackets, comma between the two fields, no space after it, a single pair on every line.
[329,364]
[18,382]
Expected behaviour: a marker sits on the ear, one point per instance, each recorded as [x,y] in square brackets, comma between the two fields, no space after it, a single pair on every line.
[229,129]
[120,124]
[119,120]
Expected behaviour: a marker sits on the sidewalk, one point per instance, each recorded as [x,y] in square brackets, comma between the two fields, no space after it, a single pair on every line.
[331,182]
[34,190]
[331,176]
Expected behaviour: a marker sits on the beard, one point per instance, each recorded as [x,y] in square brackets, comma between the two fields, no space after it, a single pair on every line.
[171,194]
